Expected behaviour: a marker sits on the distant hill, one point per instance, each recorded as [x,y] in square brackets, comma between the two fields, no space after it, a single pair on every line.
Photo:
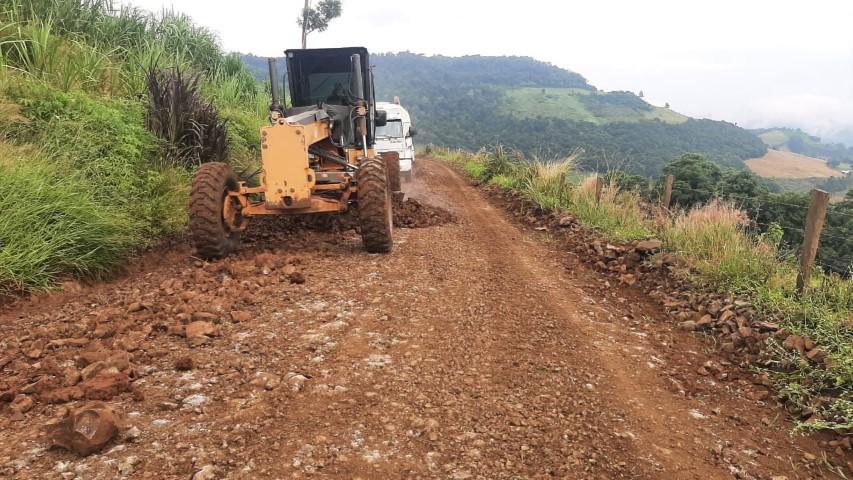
[542,109]
[798,141]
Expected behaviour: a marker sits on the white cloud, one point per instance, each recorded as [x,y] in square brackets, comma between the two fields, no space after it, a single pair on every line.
[820,114]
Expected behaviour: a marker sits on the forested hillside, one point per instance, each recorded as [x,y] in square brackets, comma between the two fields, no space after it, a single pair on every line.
[545,110]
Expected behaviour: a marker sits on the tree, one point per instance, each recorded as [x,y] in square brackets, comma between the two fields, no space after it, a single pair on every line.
[317,19]
[666,105]
[797,144]
[641,94]
[743,188]
[696,179]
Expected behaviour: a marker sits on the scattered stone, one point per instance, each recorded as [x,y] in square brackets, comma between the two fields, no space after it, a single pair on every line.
[36,349]
[796,343]
[268,260]
[296,381]
[377,360]
[207,472]
[566,221]
[240,316]
[133,433]
[688,325]
[202,316]
[127,466]
[199,332]
[648,246]
[195,400]
[94,369]
[267,381]
[184,364]
[105,386]
[759,395]
[704,320]
[816,355]
[85,429]
[697,414]
[297,278]
[22,404]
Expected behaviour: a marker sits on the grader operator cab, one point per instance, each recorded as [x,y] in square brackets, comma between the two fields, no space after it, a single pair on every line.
[317,157]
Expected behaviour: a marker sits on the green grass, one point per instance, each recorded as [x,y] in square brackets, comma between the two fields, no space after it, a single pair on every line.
[84,183]
[721,255]
[574,104]
[53,224]
[562,103]
[774,138]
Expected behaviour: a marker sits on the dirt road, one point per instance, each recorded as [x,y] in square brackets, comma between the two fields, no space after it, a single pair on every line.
[477,349]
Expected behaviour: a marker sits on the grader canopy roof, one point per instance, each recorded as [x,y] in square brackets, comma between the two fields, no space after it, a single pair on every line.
[325,75]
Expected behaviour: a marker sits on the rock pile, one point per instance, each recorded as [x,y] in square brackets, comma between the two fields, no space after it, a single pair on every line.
[410,213]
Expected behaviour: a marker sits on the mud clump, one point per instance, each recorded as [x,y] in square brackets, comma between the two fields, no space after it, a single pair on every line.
[410,213]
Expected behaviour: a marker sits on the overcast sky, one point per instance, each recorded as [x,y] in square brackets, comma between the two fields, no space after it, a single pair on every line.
[753,62]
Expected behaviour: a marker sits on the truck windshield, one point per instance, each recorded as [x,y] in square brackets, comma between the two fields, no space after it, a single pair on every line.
[392,129]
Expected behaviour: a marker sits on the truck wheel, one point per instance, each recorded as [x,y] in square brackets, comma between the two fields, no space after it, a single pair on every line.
[211,234]
[374,206]
[407,176]
[392,164]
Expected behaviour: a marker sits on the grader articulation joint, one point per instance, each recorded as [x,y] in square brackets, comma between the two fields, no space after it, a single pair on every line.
[317,156]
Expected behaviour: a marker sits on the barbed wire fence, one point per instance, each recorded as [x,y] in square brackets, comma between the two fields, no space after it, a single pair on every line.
[818,224]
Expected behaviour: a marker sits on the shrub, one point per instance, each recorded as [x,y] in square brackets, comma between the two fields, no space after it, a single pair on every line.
[189,125]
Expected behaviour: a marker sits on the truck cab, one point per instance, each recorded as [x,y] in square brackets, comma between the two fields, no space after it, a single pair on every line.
[396,136]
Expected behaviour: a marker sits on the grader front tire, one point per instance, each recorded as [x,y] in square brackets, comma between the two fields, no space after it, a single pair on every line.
[211,234]
[374,206]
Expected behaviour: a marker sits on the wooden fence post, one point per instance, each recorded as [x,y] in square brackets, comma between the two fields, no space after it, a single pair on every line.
[811,238]
[666,198]
[599,184]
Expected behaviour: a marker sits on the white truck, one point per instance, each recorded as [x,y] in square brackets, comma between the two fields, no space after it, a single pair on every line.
[396,136]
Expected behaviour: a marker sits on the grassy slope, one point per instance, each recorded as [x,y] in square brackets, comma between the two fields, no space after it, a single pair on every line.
[722,255]
[83,183]
[567,104]
[774,138]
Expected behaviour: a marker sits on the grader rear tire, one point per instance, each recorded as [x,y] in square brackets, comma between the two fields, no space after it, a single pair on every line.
[374,206]
[212,236]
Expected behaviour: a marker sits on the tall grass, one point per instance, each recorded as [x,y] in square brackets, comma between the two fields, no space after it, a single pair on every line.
[556,185]
[73,78]
[53,224]
[713,238]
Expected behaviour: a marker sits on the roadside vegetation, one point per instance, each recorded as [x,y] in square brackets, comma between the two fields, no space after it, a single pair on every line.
[712,233]
[104,113]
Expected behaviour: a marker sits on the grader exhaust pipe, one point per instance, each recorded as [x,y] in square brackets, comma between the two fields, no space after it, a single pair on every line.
[358,93]
[275,105]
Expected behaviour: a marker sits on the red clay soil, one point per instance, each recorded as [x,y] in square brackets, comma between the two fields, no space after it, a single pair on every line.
[476,349]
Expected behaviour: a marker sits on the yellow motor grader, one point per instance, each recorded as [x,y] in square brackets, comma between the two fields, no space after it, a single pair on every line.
[317,157]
